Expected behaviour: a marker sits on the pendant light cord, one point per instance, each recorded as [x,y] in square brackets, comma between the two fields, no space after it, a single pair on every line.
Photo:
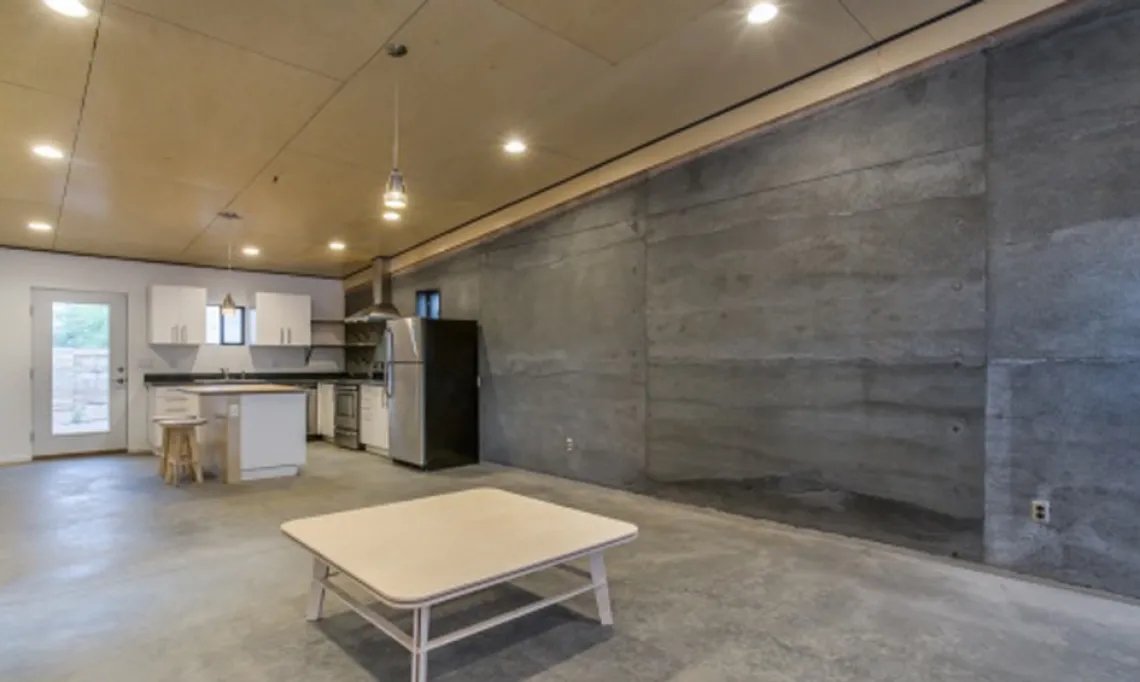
[396,127]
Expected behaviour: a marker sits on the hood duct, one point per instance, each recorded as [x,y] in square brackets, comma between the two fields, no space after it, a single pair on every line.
[382,308]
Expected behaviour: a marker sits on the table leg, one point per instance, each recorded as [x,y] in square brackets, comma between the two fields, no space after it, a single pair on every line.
[317,590]
[421,622]
[601,589]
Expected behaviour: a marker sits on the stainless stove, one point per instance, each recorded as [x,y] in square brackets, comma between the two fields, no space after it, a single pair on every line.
[347,415]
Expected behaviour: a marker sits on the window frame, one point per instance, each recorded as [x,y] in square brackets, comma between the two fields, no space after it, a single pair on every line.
[424,299]
[222,340]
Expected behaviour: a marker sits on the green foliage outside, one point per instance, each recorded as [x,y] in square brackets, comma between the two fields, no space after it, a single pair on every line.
[80,325]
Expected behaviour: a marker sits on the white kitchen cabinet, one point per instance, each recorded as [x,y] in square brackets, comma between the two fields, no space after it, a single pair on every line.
[326,410]
[168,401]
[282,320]
[176,315]
[374,418]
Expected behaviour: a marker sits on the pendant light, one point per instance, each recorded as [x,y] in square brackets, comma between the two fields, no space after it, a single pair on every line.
[229,307]
[396,191]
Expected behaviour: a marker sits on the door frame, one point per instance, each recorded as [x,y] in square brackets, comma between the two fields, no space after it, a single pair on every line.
[38,439]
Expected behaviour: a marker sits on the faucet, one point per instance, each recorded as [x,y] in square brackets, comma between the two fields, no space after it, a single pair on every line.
[225,374]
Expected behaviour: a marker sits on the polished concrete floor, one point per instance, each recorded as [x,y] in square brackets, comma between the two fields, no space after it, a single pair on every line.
[105,574]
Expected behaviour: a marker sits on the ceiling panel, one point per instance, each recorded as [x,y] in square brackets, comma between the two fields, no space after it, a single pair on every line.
[713,63]
[101,243]
[195,106]
[128,206]
[472,181]
[885,18]
[166,101]
[473,72]
[331,37]
[611,29]
[30,117]
[301,197]
[44,50]
[211,248]
[14,218]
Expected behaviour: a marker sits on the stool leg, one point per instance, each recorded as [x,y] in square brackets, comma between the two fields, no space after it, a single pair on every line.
[195,456]
[162,452]
[168,456]
[179,455]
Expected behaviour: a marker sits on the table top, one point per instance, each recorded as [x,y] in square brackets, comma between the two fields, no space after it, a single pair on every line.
[416,552]
[240,389]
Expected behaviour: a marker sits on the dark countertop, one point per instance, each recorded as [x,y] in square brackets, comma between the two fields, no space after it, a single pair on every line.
[268,377]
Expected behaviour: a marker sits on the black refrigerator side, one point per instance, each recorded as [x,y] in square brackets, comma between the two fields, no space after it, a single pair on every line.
[451,393]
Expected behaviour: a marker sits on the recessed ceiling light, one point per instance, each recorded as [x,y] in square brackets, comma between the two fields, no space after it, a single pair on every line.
[70,8]
[762,13]
[515,146]
[39,226]
[47,151]
[336,246]
[391,216]
[251,251]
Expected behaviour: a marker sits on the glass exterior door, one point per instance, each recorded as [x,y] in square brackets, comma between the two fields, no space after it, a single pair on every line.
[79,375]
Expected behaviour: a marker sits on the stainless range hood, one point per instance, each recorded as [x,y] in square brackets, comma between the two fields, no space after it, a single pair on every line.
[382,308]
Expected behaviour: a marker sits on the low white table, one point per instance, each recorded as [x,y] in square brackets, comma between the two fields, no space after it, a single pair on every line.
[416,554]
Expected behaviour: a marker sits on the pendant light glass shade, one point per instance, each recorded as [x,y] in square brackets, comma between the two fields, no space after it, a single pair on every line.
[229,308]
[396,192]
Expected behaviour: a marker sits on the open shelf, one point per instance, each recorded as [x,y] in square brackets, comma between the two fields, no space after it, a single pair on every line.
[341,346]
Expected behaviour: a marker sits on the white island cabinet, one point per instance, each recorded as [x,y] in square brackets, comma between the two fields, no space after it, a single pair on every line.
[374,418]
[176,316]
[253,431]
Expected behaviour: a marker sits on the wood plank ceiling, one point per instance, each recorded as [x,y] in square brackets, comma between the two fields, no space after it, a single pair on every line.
[169,111]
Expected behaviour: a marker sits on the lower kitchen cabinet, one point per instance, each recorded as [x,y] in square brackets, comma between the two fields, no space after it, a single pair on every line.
[326,410]
[168,401]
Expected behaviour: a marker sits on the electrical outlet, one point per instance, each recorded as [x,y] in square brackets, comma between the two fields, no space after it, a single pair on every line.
[1039,511]
[569,445]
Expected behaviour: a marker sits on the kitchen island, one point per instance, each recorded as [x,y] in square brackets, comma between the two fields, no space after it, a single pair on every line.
[252,431]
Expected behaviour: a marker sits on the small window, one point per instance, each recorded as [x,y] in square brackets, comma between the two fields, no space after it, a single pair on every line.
[427,304]
[225,330]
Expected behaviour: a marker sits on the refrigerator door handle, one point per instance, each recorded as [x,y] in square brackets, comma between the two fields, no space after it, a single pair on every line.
[389,378]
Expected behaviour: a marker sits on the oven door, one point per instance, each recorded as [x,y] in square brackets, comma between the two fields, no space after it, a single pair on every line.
[347,408]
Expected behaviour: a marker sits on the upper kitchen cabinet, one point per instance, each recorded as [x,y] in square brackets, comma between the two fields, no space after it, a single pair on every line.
[177,315]
[282,320]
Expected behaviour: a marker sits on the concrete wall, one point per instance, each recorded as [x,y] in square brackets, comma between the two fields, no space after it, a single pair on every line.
[1063,420]
[902,318]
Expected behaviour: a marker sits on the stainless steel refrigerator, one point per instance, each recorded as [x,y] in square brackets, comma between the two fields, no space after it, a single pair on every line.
[431,377]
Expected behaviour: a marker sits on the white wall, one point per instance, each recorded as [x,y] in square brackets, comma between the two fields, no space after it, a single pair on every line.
[21,271]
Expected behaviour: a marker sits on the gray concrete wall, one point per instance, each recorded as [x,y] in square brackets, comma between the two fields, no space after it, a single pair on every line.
[1063,420]
[902,318]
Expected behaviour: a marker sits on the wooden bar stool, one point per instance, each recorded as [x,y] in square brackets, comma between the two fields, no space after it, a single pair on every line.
[161,449]
[180,449]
